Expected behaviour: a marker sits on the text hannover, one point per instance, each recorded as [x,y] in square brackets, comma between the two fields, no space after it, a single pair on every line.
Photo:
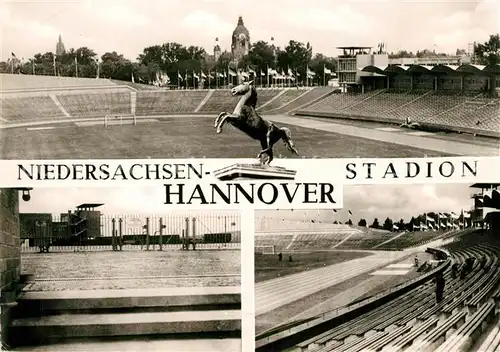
[250,193]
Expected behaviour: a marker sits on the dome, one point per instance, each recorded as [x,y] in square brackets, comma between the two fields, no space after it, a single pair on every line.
[241,29]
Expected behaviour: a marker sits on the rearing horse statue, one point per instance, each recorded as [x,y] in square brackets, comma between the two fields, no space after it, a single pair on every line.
[246,119]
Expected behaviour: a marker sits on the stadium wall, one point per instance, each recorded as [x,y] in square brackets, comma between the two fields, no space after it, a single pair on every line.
[10,254]
[393,121]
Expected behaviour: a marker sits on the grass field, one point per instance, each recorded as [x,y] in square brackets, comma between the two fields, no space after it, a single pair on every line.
[116,270]
[269,267]
[182,137]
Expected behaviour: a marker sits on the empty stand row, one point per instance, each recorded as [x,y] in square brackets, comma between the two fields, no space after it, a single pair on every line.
[415,321]
[472,111]
[88,103]
[347,238]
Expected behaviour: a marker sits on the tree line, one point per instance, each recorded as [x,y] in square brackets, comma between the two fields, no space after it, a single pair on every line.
[175,60]
[179,62]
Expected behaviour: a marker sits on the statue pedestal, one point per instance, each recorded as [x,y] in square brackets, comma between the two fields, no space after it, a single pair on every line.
[240,172]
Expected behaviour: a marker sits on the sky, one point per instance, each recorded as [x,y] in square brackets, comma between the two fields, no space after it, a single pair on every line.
[364,201]
[382,201]
[128,26]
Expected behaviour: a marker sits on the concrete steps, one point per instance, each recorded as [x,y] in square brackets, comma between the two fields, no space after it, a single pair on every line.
[45,317]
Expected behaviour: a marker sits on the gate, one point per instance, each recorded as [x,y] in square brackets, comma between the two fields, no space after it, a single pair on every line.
[127,232]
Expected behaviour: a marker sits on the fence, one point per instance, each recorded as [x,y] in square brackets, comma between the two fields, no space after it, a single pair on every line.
[47,233]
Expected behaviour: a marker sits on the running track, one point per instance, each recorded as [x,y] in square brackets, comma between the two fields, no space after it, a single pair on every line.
[410,139]
[275,293]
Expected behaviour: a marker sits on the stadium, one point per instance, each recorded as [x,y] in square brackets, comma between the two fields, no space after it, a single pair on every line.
[378,106]
[89,279]
[325,285]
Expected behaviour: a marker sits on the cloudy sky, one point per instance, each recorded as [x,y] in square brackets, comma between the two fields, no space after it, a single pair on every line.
[116,200]
[127,26]
[364,201]
[393,201]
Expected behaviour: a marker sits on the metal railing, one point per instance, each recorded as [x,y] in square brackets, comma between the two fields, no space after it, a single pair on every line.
[221,230]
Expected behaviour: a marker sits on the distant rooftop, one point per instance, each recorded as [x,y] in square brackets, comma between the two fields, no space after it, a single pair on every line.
[354,47]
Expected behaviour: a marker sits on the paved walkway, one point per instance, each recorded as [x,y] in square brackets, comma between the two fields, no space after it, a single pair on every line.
[275,293]
[143,344]
[409,140]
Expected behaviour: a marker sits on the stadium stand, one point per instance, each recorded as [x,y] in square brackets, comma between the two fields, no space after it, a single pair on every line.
[10,82]
[96,104]
[413,321]
[23,108]
[286,96]
[168,102]
[303,100]
[467,111]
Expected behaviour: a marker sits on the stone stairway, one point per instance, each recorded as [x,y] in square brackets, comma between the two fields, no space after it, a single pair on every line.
[43,318]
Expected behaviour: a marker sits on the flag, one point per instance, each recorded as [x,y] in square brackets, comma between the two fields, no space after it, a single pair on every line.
[179,76]
[195,75]
[231,73]
[203,75]
[13,55]
[428,218]
[262,73]
[133,80]
[250,70]
[442,216]
[310,73]
[271,72]
[395,227]
[327,71]
[454,216]
[350,213]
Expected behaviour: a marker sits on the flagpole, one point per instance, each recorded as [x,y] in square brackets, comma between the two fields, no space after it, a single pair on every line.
[324,84]
[178,79]
[267,73]
[76,66]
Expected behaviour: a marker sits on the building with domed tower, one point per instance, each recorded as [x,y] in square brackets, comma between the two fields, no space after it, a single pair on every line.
[240,41]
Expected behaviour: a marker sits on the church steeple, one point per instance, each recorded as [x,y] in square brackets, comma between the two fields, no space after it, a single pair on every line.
[60,50]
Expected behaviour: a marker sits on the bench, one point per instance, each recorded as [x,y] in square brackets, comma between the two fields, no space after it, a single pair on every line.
[385,340]
[469,332]
[473,303]
[407,340]
[460,301]
[434,337]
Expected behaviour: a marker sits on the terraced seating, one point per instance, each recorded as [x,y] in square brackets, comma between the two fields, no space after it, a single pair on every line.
[15,82]
[470,331]
[445,108]
[410,239]
[17,109]
[279,242]
[222,100]
[168,102]
[422,324]
[96,104]
[317,241]
[492,341]
[338,102]
[304,100]
[432,339]
[286,97]
[367,240]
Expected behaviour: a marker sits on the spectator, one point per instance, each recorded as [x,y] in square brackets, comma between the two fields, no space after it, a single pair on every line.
[440,283]
[280,257]
[290,258]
